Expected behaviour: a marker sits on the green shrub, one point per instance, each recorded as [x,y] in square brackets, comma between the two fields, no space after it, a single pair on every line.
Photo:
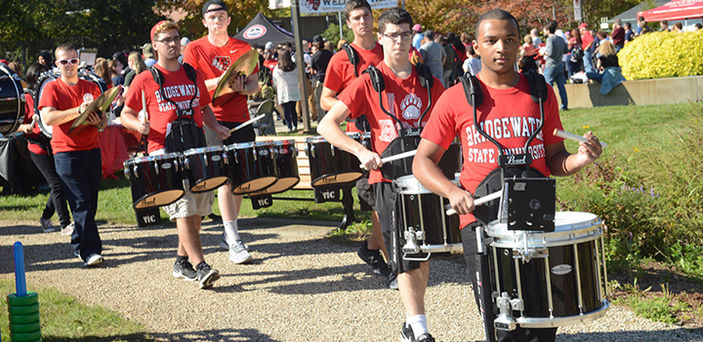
[663,54]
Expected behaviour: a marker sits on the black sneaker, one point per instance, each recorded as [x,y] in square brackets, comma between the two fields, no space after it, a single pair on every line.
[426,337]
[406,334]
[206,275]
[184,269]
[373,258]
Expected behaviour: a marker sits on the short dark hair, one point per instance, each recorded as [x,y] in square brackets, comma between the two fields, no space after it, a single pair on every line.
[64,47]
[355,4]
[552,26]
[497,14]
[220,3]
[628,25]
[395,16]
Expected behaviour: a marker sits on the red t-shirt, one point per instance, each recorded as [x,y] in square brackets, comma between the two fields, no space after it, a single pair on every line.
[213,61]
[405,99]
[508,115]
[177,87]
[340,72]
[62,96]
[29,111]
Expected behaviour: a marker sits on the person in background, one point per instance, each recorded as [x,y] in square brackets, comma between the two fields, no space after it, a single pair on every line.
[629,34]
[45,59]
[450,61]
[664,26]
[678,27]
[115,67]
[554,66]
[136,64]
[15,67]
[607,58]
[40,153]
[536,40]
[433,55]
[102,69]
[618,35]
[320,60]
[148,54]
[698,26]
[417,36]
[285,80]
[472,64]
[528,51]
[642,27]
[575,61]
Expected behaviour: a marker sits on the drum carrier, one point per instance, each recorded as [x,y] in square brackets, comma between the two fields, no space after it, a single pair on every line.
[533,273]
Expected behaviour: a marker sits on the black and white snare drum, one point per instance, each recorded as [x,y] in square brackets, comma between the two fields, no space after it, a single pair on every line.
[329,165]
[205,168]
[549,279]
[285,153]
[252,166]
[423,225]
[450,163]
[11,100]
[155,180]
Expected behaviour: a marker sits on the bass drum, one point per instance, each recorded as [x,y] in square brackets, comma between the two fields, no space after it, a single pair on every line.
[51,75]
[11,100]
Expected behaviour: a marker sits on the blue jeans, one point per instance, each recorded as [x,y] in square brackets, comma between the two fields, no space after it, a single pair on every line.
[588,61]
[556,74]
[80,173]
[290,115]
[596,76]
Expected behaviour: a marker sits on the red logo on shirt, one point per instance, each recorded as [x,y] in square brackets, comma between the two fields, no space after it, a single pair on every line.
[221,62]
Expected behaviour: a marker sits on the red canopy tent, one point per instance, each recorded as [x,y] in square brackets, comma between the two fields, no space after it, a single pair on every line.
[674,10]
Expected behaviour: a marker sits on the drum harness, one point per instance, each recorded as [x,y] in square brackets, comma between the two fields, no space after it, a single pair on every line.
[510,166]
[184,117]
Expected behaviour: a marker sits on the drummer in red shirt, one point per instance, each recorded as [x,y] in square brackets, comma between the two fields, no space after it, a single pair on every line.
[212,55]
[407,98]
[506,102]
[76,154]
[178,89]
[339,75]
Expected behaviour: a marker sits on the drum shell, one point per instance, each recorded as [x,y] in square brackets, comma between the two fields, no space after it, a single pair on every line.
[155,180]
[206,168]
[286,166]
[426,212]
[11,101]
[330,165]
[450,163]
[252,167]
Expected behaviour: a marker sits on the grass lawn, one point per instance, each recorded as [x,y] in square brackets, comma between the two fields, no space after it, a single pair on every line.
[63,318]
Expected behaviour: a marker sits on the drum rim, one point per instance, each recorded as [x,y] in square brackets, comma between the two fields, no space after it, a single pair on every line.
[316,180]
[19,91]
[198,150]
[559,321]
[315,139]
[582,231]
[238,146]
[281,142]
[262,143]
[172,155]
[415,187]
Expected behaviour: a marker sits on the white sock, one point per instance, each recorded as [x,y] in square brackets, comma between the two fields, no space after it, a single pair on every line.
[231,231]
[418,323]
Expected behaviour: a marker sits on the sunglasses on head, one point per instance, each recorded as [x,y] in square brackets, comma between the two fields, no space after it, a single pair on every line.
[66,61]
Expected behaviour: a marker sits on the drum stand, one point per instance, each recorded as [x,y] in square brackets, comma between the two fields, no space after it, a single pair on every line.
[348,205]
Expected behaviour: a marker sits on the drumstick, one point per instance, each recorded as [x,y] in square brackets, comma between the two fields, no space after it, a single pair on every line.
[395,157]
[572,136]
[144,118]
[478,201]
[257,118]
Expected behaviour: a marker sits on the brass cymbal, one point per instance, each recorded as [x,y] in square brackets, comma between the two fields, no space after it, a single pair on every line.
[99,105]
[244,65]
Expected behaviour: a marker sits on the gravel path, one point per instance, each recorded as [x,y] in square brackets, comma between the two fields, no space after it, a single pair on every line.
[300,288]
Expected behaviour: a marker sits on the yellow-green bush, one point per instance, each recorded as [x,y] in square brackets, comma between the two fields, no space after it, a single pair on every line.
[663,54]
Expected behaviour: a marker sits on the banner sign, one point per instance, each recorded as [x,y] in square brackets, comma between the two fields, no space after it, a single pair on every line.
[328,6]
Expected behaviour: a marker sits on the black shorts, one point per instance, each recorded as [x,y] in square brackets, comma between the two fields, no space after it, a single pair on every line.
[242,135]
[388,217]
[367,196]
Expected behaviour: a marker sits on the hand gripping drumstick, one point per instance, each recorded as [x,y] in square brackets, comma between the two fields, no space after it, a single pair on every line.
[395,157]
[478,201]
[574,137]
[257,118]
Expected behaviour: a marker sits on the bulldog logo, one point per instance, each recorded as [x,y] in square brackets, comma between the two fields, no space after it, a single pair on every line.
[315,4]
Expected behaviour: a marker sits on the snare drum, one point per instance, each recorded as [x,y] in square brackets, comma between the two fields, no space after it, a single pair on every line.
[423,225]
[554,279]
[11,100]
[155,180]
[450,163]
[285,154]
[329,165]
[251,165]
[206,168]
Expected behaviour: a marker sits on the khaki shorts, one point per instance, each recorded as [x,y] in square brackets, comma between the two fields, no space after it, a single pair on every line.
[191,204]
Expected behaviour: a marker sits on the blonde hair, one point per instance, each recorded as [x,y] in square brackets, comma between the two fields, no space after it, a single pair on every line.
[527,39]
[341,43]
[164,25]
[102,69]
[137,62]
[606,48]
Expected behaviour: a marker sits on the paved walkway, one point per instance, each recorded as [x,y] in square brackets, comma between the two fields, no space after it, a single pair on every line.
[302,287]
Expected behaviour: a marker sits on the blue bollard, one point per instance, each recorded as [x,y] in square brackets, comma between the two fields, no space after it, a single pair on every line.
[20,281]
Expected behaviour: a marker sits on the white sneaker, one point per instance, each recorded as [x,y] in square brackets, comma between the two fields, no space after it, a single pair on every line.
[238,253]
[225,245]
[68,230]
[46,226]
[94,260]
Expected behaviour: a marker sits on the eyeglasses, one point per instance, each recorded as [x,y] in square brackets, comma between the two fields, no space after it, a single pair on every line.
[402,35]
[66,61]
[174,40]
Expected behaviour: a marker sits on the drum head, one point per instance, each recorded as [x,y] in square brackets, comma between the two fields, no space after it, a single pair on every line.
[339,178]
[45,78]
[281,185]
[159,199]
[254,185]
[12,101]
[569,226]
[209,184]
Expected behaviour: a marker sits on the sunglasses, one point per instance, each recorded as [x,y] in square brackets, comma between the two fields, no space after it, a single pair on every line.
[66,61]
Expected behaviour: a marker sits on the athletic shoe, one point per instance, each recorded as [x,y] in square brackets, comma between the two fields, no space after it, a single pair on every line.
[94,260]
[238,253]
[184,269]
[407,335]
[206,275]
[224,245]
[392,280]
[426,337]
[68,230]
[373,258]
[46,226]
